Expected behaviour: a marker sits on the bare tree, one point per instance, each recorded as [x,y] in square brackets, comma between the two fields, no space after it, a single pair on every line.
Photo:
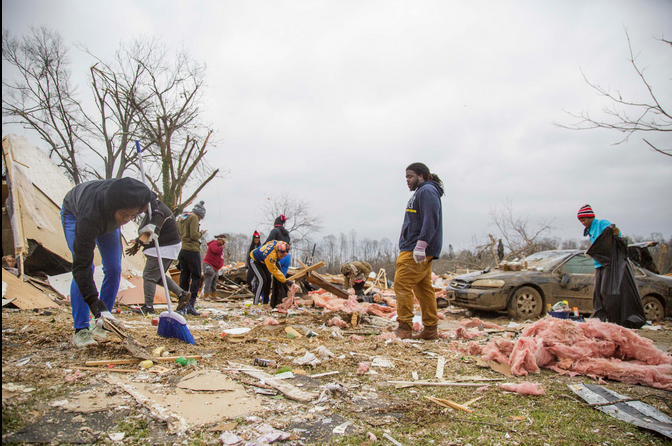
[301,222]
[42,97]
[518,234]
[167,101]
[628,116]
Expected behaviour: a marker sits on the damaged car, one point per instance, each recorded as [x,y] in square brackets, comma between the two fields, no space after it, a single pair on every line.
[554,276]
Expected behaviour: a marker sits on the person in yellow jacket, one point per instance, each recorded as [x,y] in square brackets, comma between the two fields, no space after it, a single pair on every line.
[264,262]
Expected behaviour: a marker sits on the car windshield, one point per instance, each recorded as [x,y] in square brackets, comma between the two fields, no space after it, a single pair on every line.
[546,259]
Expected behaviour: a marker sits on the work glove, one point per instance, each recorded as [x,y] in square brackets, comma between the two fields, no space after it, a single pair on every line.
[151,230]
[102,315]
[290,283]
[133,249]
[419,252]
[616,231]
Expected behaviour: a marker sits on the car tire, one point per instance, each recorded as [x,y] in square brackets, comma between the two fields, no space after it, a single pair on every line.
[653,309]
[526,303]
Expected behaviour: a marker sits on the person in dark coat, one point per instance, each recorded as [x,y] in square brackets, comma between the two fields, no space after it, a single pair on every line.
[420,241]
[616,296]
[91,215]
[190,255]
[256,242]
[279,289]
[170,245]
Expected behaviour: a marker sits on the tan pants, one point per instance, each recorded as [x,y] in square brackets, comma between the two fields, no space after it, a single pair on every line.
[410,278]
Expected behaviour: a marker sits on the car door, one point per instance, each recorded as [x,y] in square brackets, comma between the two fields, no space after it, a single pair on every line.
[577,280]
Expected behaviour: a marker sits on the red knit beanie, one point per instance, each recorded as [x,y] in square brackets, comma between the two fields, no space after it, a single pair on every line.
[586,212]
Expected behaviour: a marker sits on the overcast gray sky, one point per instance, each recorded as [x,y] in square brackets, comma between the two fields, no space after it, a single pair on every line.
[329,101]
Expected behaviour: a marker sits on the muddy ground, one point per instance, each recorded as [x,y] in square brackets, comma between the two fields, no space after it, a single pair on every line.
[47,401]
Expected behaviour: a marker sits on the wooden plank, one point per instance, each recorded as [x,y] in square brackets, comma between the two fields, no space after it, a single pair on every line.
[315,279]
[137,361]
[289,390]
[442,384]
[158,369]
[305,271]
[25,295]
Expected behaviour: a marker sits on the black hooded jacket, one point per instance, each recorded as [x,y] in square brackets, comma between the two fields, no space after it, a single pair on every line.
[166,227]
[278,233]
[423,219]
[94,204]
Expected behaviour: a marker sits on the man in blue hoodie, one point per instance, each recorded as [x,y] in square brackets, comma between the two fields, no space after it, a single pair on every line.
[421,241]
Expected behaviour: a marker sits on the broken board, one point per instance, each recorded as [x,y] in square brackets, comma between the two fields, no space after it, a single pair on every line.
[633,412]
[24,295]
[315,279]
[208,380]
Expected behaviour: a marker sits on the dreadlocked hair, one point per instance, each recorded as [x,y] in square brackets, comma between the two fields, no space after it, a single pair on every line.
[422,169]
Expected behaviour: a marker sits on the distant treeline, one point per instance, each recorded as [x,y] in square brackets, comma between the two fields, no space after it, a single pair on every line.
[383,253]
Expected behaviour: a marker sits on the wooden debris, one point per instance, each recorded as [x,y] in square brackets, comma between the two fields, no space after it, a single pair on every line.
[441,384]
[176,424]
[156,369]
[439,367]
[315,279]
[470,402]
[449,404]
[137,361]
[305,271]
[289,390]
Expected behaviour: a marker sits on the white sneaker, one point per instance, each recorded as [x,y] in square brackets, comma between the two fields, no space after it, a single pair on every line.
[83,339]
[98,334]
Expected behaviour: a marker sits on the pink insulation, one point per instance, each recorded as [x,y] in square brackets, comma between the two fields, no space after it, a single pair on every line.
[379,310]
[271,321]
[475,322]
[337,322]
[523,388]
[356,338]
[351,305]
[363,367]
[462,333]
[328,301]
[472,348]
[417,326]
[592,348]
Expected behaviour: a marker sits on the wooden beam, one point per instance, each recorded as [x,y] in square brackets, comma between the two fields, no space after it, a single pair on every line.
[317,280]
[305,271]
[136,361]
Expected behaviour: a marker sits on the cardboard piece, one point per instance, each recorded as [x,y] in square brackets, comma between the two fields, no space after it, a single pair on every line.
[193,408]
[93,401]
[135,295]
[504,369]
[24,295]
[207,380]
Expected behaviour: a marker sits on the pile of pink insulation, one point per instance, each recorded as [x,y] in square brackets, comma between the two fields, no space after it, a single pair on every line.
[592,348]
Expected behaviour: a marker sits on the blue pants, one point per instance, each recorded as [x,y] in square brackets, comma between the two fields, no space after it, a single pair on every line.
[109,246]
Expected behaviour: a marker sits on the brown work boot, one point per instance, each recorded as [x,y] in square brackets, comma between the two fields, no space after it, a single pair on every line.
[428,334]
[403,331]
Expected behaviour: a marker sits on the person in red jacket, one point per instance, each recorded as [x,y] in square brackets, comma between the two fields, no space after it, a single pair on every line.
[212,263]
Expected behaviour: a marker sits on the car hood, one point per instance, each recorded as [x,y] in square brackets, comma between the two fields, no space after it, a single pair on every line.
[477,275]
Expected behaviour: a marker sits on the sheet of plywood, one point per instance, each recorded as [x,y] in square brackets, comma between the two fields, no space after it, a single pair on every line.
[208,380]
[26,296]
[135,295]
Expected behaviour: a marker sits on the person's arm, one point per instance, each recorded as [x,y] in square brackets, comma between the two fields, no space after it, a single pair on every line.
[192,229]
[430,207]
[82,259]
[366,270]
[272,265]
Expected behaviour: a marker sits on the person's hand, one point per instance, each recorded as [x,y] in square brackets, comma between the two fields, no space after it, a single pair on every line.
[419,252]
[204,231]
[151,230]
[106,316]
[290,283]
[134,248]
[616,231]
